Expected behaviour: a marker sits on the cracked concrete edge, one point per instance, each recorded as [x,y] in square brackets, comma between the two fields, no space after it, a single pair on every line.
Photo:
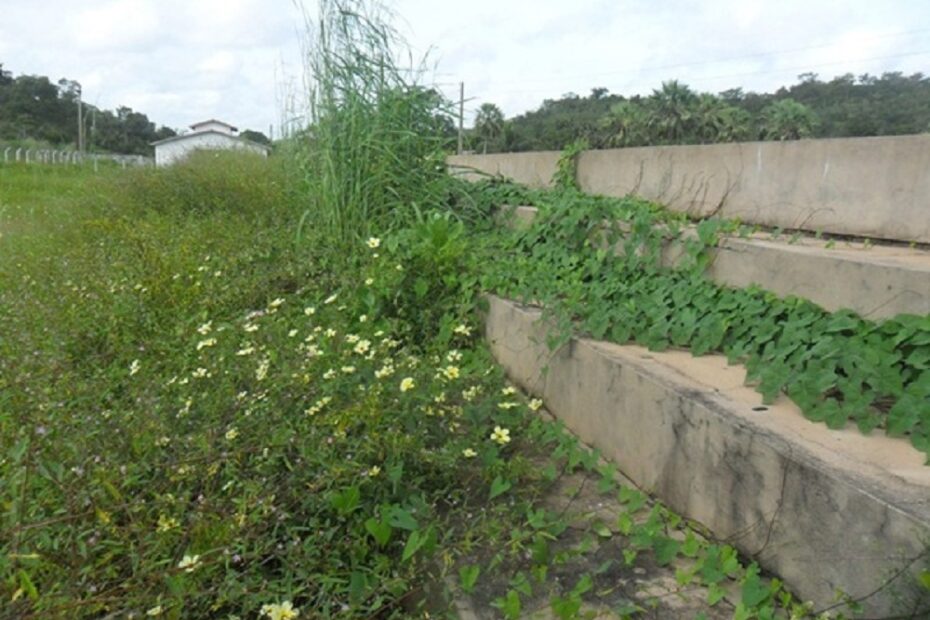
[875,282]
[825,510]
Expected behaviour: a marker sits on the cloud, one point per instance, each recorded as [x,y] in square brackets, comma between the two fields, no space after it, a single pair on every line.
[117,26]
[182,60]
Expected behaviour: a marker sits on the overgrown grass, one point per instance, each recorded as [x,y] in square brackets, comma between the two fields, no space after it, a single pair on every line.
[373,154]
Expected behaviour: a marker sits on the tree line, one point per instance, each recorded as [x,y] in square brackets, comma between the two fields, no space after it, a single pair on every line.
[34,109]
[890,104]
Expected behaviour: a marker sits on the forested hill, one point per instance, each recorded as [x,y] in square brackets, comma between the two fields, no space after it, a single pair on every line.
[847,105]
[34,108]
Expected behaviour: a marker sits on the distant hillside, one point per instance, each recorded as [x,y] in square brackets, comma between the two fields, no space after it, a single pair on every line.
[33,108]
[847,105]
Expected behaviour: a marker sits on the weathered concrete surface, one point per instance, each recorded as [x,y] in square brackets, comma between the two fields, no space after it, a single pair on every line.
[871,187]
[822,509]
[874,281]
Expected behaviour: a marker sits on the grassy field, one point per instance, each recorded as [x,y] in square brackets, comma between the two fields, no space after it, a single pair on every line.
[203,417]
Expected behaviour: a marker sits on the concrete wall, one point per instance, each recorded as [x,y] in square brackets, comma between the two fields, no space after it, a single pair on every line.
[872,187]
[824,509]
[175,149]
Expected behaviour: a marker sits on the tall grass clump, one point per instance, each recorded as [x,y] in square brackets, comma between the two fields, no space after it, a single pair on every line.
[373,152]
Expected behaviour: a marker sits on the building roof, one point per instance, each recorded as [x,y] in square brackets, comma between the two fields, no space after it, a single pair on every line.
[212,120]
[202,133]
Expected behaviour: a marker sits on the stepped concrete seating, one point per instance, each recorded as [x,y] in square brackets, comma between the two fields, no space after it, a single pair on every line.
[875,281]
[823,509]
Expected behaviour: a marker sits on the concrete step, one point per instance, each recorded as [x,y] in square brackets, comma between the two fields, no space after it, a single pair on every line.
[875,281]
[826,510]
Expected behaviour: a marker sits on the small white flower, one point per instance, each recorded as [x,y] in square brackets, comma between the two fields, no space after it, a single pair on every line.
[205,328]
[232,433]
[373,242]
[189,563]
[535,404]
[462,330]
[508,391]
[309,310]
[154,611]
[363,318]
[407,384]
[331,298]
[468,453]
[134,367]
[292,333]
[209,342]
[362,347]
[369,281]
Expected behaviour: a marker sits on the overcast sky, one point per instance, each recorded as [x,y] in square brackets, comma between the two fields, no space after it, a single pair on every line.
[181,61]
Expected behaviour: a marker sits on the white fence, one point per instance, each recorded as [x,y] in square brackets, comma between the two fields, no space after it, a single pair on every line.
[14,154]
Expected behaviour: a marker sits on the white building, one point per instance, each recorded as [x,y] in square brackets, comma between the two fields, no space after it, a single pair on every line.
[208,135]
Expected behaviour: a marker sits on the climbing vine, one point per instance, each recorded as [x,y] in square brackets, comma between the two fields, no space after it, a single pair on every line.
[595,264]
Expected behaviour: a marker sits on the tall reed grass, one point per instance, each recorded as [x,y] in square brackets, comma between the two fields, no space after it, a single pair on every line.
[373,152]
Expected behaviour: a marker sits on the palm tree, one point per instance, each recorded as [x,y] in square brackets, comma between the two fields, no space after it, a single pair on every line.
[489,124]
[787,119]
[626,125]
[717,121]
[671,116]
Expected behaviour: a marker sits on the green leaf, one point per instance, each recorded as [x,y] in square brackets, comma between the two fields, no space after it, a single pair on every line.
[414,542]
[468,577]
[715,594]
[358,587]
[379,530]
[754,591]
[402,519]
[347,500]
[665,549]
[499,486]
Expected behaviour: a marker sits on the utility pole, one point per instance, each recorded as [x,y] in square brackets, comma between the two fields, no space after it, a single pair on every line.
[80,116]
[461,116]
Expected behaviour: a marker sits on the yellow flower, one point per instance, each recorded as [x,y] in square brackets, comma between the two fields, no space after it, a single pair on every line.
[501,436]
[462,330]
[205,328]
[282,611]
[189,563]
[506,406]
[362,347]
[134,367]
[407,384]
[535,404]
[507,391]
[468,453]
[154,611]
[369,281]
[232,433]
[374,471]
[373,242]
[309,310]
[166,524]
[348,369]
[450,372]
[331,298]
